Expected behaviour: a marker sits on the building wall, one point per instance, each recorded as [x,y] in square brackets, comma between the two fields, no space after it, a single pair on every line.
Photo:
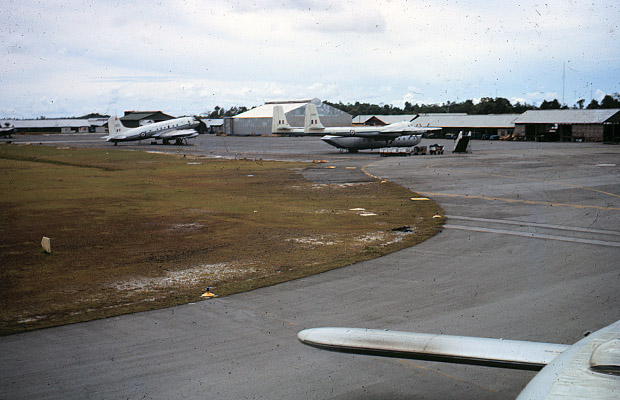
[589,133]
[249,126]
[585,132]
[519,132]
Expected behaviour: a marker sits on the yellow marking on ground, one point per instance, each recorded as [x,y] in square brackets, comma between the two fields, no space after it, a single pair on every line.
[330,167]
[419,198]
[363,169]
[416,366]
[350,167]
[532,202]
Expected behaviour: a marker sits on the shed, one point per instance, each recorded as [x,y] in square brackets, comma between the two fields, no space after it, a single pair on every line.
[257,121]
[569,125]
[134,119]
[214,125]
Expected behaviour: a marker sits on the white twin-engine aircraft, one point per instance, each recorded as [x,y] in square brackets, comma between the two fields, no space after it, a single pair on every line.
[588,369]
[351,138]
[176,130]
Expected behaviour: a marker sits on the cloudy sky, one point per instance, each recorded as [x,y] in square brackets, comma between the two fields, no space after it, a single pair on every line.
[69,58]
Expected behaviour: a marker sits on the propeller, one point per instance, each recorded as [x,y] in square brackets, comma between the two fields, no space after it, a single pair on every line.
[202,127]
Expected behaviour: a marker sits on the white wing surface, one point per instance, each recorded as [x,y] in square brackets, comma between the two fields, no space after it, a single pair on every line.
[501,353]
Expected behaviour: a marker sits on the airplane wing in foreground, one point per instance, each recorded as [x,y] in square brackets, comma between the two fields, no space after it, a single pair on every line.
[588,369]
[423,346]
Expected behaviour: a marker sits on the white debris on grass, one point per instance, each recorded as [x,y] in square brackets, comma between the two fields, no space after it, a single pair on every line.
[338,185]
[322,240]
[380,238]
[190,226]
[186,277]
[386,238]
[31,319]
[325,211]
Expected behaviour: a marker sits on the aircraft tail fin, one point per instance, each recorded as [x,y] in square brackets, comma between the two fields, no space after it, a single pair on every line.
[115,126]
[312,121]
[279,122]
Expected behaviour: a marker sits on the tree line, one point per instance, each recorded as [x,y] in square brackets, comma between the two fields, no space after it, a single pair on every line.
[486,105]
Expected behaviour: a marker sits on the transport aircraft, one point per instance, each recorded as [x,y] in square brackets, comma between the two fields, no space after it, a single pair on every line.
[351,138]
[588,369]
[280,125]
[176,130]
[354,138]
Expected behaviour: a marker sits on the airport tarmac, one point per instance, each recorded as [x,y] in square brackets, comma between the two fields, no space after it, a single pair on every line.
[530,251]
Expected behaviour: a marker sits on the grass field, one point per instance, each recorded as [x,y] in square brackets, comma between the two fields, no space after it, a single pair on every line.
[133,231]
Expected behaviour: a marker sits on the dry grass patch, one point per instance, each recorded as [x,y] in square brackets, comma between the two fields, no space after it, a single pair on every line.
[134,231]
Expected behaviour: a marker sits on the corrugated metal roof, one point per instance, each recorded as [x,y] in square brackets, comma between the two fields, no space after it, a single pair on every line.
[266,110]
[280,102]
[466,121]
[387,119]
[213,121]
[360,119]
[139,115]
[566,116]
[391,119]
[47,123]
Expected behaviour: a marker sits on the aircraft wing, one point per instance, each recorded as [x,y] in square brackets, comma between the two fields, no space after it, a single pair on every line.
[407,128]
[176,134]
[501,353]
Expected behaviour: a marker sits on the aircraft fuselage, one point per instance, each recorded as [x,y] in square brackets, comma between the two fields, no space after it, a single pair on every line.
[353,144]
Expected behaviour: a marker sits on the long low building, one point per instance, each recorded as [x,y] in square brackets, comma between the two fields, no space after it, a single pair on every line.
[65,125]
[569,125]
[601,125]
[382,120]
[480,126]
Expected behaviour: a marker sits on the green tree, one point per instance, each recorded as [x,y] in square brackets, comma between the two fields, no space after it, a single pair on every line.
[611,102]
[550,105]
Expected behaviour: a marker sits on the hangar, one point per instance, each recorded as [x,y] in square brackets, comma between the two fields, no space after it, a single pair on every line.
[602,125]
[257,121]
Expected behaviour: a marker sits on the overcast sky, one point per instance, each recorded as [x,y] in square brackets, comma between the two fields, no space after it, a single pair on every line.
[69,58]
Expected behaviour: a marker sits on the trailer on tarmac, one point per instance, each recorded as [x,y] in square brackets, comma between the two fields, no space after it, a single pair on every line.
[395,151]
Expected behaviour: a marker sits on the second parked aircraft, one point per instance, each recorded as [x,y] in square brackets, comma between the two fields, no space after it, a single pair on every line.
[176,130]
[351,138]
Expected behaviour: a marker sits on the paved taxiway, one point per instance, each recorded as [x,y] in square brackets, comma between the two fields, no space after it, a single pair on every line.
[529,251]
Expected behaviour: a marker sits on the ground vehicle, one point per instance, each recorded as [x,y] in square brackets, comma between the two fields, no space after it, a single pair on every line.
[435,149]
